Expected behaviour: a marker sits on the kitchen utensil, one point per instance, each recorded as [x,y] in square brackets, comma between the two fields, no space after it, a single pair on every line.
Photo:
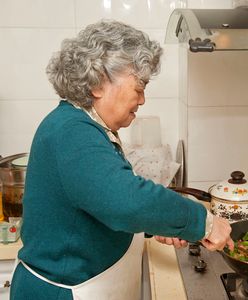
[239,229]
[12,175]
[228,199]
[180,159]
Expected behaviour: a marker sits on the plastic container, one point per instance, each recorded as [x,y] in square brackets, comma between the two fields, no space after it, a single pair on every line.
[10,231]
[146,131]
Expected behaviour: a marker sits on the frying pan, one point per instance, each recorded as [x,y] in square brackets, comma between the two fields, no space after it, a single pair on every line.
[239,229]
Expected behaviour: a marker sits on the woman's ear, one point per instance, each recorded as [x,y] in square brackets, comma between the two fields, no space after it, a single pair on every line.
[97,92]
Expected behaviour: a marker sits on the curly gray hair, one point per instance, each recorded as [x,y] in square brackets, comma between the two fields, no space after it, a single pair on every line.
[102,50]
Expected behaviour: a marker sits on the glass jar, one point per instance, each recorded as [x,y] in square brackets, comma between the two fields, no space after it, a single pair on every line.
[12,174]
[1,201]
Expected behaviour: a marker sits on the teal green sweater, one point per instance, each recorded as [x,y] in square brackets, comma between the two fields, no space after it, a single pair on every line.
[83,203]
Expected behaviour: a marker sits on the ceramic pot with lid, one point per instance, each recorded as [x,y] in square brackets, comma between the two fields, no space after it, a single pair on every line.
[12,175]
[228,199]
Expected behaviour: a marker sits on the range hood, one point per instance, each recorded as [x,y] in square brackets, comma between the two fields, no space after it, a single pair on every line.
[207,30]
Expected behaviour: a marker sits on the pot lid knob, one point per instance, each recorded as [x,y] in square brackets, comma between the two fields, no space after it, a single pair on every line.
[237,177]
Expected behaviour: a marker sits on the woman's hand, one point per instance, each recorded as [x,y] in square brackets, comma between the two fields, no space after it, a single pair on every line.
[219,236]
[176,242]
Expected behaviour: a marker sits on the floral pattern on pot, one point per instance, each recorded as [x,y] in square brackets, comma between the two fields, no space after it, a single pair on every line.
[233,212]
[240,191]
[236,191]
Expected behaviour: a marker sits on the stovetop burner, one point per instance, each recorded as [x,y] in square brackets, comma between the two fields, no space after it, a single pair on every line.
[195,250]
[201,272]
[235,286]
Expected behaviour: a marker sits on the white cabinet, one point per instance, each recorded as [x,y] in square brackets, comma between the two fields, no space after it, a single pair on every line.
[6,268]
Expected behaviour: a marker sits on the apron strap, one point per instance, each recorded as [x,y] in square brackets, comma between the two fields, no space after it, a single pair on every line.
[45,279]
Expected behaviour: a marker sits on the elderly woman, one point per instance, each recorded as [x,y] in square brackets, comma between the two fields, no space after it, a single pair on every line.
[85,211]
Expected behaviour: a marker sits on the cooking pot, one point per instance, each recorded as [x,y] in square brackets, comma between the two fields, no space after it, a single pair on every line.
[239,229]
[12,175]
[228,199]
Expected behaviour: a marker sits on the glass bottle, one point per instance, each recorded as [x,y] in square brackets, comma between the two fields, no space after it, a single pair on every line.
[1,201]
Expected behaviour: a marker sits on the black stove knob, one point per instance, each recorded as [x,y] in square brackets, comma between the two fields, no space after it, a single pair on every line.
[194,249]
[200,266]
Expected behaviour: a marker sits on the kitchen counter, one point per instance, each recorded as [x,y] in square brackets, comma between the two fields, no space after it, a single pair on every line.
[9,251]
[165,277]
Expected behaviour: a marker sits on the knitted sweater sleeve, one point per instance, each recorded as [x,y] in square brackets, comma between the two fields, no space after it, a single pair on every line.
[97,179]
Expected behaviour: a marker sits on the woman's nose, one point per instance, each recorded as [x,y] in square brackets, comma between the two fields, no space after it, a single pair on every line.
[141,100]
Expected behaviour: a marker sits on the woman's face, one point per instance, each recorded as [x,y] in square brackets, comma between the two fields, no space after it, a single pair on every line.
[117,102]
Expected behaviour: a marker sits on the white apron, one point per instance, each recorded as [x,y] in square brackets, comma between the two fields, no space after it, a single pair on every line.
[121,281]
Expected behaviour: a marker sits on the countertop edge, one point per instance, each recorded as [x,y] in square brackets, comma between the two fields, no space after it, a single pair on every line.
[165,277]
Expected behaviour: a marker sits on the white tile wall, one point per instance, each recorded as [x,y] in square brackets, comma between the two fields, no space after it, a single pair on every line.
[209,4]
[139,13]
[211,75]
[38,13]
[24,56]
[18,122]
[203,185]
[217,142]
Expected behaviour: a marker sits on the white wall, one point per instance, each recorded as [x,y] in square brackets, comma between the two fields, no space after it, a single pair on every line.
[217,112]
[30,30]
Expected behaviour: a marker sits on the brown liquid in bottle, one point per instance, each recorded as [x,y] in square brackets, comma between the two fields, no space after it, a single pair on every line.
[1,202]
[12,201]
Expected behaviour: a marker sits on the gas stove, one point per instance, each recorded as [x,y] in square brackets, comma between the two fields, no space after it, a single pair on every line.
[206,276]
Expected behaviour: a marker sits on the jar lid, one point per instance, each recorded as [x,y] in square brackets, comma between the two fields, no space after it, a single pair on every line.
[20,162]
[234,189]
